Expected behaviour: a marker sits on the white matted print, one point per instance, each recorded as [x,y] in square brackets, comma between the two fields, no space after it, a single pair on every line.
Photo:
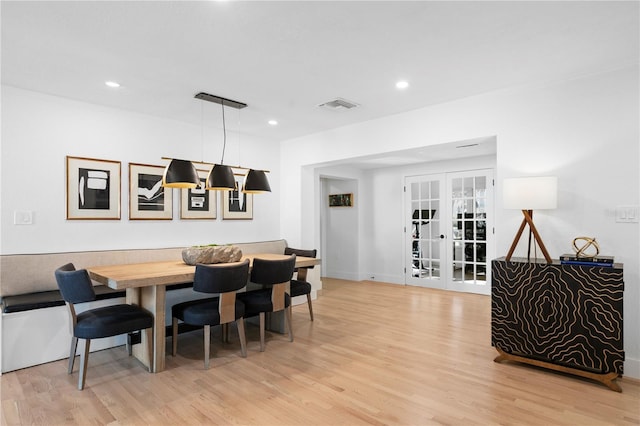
[236,204]
[93,189]
[148,199]
[198,203]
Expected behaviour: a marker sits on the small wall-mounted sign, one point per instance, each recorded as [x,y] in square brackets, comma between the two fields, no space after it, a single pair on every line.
[341,200]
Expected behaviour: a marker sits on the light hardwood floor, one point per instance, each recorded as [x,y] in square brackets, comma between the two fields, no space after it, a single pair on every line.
[375,354]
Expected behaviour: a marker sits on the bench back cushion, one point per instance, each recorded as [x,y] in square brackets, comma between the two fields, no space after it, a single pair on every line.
[29,273]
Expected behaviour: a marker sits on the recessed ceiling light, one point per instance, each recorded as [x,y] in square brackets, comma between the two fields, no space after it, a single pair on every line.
[273,122]
[112,84]
[402,84]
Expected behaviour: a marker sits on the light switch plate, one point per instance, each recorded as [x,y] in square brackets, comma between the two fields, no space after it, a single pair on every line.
[22,217]
[627,214]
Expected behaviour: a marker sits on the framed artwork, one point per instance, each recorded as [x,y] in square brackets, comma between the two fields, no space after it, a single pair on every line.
[93,189]
[236,204]
[341,200]
[198,203]
[148,199]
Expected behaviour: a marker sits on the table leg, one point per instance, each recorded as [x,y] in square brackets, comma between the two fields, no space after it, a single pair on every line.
[151,298]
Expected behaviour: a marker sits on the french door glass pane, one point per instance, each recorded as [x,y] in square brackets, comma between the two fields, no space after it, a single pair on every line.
[435,269]
[425,228]
[468,209]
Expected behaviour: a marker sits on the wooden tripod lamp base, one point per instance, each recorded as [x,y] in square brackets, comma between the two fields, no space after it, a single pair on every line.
[528,220]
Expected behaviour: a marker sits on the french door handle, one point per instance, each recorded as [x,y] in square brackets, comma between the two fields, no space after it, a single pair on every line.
[442,236]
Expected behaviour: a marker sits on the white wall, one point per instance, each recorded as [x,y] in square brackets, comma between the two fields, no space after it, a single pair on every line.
[584,131]
[340,249]
[38,131]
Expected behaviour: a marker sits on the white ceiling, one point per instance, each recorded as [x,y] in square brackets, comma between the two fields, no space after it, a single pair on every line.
[285,58]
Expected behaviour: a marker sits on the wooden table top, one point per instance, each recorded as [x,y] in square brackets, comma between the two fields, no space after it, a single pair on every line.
[131,275]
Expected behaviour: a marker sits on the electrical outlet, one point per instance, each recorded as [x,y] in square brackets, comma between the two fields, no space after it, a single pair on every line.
[627,214]
[22,217]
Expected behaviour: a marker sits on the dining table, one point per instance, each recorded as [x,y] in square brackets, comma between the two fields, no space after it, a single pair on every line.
[145,286]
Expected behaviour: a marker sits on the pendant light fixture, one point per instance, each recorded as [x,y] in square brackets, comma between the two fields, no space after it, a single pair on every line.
[220,178]
[183,174]
[256,182]
[180,174]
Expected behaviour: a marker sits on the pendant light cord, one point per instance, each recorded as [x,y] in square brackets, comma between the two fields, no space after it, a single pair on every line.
[224,132]
[238,127]
[202,131]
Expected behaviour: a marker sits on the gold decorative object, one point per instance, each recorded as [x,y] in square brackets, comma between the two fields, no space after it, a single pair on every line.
[589,244]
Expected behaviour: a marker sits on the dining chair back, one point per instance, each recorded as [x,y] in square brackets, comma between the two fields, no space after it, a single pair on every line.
[275,277]
[76,287]
[299,285]
[222,279]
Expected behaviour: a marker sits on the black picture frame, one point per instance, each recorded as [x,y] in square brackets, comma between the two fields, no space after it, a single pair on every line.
[341,200]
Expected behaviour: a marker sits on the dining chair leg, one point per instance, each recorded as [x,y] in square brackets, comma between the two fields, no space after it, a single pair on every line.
[310,306]
[262,331]
[207,344]
[84,360]
[287,316]
[225,333]
[174,336]
[72,353]
[243,337]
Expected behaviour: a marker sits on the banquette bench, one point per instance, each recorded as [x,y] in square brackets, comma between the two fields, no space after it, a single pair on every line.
[35,324]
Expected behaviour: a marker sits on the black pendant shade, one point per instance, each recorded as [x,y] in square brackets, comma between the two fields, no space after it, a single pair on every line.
[221,178]
[180,174]
[256,182]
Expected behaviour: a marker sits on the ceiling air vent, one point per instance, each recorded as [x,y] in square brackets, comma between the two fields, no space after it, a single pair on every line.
[339,104]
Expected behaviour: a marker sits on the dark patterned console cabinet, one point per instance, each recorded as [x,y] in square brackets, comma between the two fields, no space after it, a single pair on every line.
[564,317]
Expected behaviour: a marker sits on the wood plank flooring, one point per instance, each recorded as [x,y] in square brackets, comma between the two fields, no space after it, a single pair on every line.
[375,354]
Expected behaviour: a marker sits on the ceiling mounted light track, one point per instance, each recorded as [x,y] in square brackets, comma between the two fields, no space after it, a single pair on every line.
[221,101]
[183,174]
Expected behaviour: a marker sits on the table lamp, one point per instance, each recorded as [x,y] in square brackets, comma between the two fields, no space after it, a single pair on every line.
[529,194]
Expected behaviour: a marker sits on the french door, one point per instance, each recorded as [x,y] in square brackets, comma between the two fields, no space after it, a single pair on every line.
[424,231]
[449,230]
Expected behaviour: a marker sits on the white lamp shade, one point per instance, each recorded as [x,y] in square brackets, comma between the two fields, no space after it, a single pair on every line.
[530,193]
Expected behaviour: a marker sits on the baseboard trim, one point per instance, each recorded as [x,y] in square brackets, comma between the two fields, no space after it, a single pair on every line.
[632,368]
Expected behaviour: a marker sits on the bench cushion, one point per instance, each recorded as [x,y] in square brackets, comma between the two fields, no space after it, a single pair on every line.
[178,286]
[49,299]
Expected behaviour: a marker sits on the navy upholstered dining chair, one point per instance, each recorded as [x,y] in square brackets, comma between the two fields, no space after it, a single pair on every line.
[76,287]
[300,285]
[274,276]
[224,280]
